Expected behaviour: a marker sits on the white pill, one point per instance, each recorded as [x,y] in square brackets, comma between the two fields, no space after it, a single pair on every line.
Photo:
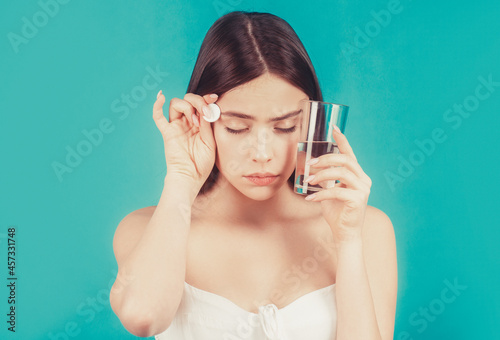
[214,113]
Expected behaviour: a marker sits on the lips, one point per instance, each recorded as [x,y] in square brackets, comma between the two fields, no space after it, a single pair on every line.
[262,174]
[261,180]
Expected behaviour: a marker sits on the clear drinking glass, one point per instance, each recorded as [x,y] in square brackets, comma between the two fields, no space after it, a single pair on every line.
[316,139]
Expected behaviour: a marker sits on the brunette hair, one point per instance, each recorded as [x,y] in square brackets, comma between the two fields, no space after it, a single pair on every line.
[241,46]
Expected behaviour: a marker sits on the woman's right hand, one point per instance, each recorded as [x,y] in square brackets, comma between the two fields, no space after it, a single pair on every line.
[189,147]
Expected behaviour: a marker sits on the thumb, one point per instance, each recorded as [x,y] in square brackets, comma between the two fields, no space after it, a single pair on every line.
[206,128]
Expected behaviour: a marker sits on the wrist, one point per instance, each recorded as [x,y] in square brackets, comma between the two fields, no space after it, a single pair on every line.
[349,245]
[180,186]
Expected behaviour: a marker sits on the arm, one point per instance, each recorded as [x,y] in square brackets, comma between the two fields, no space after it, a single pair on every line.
[366,287]
[151,256]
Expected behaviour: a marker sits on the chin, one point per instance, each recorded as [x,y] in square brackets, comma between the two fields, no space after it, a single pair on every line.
[261,197]
[261,193]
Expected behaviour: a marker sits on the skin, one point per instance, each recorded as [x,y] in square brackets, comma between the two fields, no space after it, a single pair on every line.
[261,147]
[244,226]
[248,243]
[251,224]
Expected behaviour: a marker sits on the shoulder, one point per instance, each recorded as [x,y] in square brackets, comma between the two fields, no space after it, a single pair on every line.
[377,225]
[379,243]
[378,235]
[379,249]
[129,231]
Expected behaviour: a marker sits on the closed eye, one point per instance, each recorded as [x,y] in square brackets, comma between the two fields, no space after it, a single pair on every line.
[288,130]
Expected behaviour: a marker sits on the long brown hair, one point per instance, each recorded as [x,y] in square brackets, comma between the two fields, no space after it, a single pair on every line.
[241,46]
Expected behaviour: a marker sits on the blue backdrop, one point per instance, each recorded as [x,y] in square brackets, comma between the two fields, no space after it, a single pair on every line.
[80,149]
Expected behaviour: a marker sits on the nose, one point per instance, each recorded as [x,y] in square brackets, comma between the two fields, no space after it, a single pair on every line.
[264,146]
[261,146]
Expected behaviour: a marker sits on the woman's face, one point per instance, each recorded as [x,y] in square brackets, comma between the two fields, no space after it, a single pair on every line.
[250,141]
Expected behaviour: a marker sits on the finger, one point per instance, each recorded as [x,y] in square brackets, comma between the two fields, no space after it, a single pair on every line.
[189,106]
[339,159]
[210,98]
[354,197]
[179,108]
[198,103]
[339,173]
[303,166]
[160,120]
[342,143]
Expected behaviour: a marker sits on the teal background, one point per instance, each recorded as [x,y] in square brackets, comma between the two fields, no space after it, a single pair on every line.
[398,86]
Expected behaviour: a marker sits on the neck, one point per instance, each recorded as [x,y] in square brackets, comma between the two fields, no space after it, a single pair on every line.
[226,203]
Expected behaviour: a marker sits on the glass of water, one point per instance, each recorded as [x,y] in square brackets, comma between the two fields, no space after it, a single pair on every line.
[316,139]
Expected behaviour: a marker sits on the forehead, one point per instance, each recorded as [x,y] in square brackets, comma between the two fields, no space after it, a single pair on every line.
[264,97]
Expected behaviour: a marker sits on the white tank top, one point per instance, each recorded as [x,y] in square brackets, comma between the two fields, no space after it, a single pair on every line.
[203,315]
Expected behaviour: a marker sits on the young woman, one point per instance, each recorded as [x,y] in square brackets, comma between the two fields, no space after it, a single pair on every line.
[222,257]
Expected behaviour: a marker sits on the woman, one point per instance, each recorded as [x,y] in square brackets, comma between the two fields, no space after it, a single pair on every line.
[220,257]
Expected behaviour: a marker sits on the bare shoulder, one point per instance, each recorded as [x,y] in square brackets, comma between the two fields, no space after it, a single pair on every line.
[377,225]
[379,244]
[129,231]
[379,248]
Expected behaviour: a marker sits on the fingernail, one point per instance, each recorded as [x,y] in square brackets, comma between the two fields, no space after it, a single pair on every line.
[214,95]
[312,161]
[158,95]
[206,111]
[336,128]
[195,120]
[310,197]
[310,178]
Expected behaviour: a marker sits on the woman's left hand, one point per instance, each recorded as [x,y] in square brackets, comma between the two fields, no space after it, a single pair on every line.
[343,205]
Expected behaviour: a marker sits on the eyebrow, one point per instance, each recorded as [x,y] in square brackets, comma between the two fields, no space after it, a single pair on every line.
[273,119]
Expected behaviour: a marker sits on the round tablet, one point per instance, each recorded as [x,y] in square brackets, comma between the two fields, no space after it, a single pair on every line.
[214,113]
